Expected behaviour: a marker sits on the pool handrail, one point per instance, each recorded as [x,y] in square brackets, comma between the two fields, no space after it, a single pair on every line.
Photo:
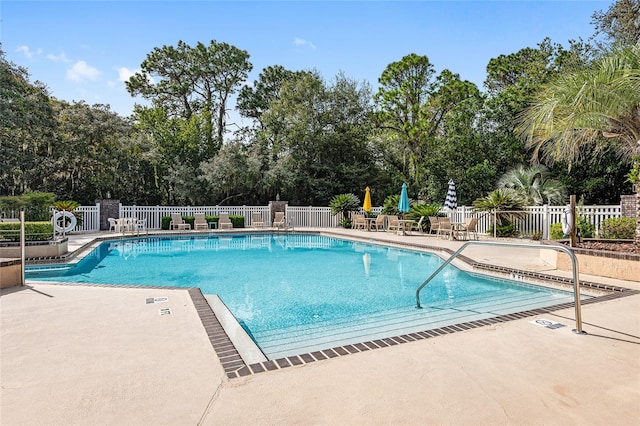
[574,267]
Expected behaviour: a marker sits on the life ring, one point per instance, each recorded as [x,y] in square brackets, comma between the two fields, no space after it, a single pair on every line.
[61,218]
[567,221]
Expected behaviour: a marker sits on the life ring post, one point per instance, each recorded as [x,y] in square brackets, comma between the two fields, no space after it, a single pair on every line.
[64,221]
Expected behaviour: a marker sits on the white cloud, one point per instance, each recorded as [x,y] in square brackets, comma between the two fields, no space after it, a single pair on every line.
[124,74]
[81,71]
[303,43]
[26,51]
[62,57]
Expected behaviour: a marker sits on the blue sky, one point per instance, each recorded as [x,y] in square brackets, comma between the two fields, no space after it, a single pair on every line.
[84,50]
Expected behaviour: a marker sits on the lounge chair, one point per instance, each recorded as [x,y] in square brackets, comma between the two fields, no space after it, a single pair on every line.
[256,220]
[177,222]
[358,221]
[417,226]
[200,222]
[445,228]
[392,223]
[224,222]
[279,221]
[379,223]
[435,223]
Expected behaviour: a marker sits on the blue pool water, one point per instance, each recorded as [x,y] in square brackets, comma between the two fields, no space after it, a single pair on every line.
[299,292]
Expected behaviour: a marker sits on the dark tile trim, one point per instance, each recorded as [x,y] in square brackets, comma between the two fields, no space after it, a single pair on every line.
[340,351]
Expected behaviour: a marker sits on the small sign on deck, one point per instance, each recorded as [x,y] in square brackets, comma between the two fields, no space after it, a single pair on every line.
[547,323]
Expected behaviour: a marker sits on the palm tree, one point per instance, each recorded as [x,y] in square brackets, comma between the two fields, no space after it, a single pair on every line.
[534,185]
[598,105]
[507,206]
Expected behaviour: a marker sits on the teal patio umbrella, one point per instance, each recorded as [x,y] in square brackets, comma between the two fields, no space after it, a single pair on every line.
[403,204]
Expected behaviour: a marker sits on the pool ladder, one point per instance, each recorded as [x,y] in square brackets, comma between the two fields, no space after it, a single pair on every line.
[574,267]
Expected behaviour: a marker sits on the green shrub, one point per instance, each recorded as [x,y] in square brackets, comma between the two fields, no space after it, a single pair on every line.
[504,230]
[346,222]
[425,210]
[586,229]
[34,231]
[619,228]
[36,205]
[555,231]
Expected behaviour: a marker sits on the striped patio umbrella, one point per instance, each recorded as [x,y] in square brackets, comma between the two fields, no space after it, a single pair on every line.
[451,202]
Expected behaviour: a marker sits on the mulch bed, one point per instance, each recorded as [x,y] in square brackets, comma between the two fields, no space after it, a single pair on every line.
[616,246]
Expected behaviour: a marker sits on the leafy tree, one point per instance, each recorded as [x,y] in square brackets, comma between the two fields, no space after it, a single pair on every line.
[88,152]
[232,177]
[404,89]
[26,127]
[186,81]
[620,24]
[256,99]
[534,185]
[597,106]
[320,133]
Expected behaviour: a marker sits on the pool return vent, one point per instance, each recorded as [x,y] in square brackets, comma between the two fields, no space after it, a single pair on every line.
[574,267]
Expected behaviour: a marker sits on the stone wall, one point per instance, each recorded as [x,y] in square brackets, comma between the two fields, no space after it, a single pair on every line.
[108,208]
[628,205]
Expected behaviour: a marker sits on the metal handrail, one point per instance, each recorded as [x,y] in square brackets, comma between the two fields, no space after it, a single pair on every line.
[574,264]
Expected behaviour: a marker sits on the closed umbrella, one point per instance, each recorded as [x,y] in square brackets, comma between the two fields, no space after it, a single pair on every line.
[367,200]
[451,202]
[403,204]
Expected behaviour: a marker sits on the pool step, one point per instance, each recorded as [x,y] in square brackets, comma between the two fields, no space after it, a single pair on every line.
[322,335]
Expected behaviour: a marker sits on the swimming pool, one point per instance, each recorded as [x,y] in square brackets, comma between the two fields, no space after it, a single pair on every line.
[295,293]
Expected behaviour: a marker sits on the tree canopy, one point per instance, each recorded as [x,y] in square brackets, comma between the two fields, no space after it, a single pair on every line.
[309,139]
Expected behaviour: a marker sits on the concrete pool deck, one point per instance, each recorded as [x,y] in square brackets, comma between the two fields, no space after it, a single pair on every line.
[90,355]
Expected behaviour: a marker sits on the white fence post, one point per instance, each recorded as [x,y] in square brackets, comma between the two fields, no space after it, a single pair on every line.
[545,222]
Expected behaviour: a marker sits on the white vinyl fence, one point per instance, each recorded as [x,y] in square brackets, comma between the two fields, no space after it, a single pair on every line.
[537,219]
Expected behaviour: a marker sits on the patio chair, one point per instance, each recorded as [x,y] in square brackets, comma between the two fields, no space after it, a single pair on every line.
[469,227]
[256,220]
[224,222]
[358,222]
[200,222]
[177,222]
[113,225]
[435,223]
[379,223]
[417,226]
[279,221]
[445,227]
[392,223]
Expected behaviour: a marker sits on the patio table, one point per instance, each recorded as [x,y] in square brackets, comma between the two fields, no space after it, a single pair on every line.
[405,226]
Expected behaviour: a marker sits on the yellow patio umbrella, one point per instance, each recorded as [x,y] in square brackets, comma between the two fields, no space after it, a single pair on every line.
[367,200]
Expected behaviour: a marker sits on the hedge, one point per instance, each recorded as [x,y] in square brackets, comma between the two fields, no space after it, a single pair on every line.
[34,231]
[618,228]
